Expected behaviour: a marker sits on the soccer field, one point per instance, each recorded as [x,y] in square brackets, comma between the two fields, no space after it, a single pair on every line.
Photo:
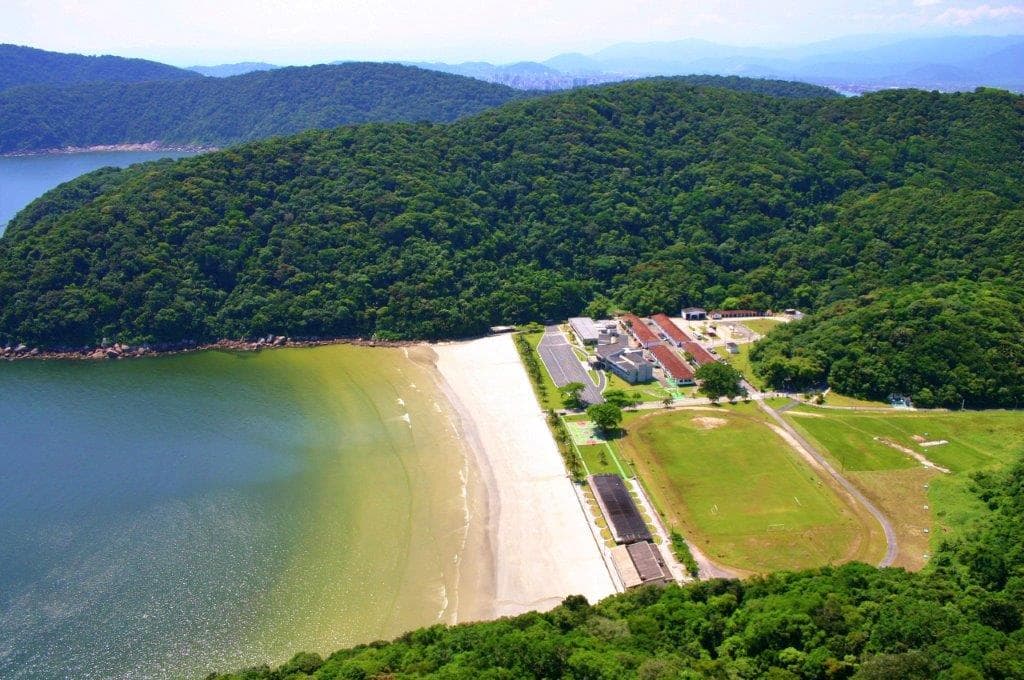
[744,496]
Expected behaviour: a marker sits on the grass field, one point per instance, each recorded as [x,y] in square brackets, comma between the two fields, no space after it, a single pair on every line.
[552,398]
[741,362]
[836,399]
[740,492]
[914,497]
[760,326]
[651,391]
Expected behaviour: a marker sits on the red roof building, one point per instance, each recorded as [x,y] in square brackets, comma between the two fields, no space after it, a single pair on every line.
[674,333]
[644,335]
[674,367]
[700,355]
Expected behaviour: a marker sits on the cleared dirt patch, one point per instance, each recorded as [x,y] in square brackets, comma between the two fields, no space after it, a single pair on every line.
[708,423]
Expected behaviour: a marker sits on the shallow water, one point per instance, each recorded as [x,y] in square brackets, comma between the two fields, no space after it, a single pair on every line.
[201,512]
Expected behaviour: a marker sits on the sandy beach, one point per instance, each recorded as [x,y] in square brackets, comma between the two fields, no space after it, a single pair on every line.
[541,548]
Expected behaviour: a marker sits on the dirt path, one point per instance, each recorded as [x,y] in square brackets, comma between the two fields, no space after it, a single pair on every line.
[817,460]
[920,458]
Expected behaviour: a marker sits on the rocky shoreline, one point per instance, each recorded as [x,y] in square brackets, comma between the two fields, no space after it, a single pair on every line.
[131,146]
[118,350]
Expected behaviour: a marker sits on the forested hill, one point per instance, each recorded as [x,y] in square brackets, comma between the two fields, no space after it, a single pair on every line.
[959,619]
[222,111]
[29,66]
[641,195]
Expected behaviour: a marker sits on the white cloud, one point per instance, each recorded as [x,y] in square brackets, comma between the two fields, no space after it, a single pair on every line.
[926,3]
[965,16]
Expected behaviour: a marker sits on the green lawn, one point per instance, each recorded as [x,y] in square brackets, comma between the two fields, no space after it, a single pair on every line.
[742,494]
[978,440]
[836,399]
[761,326]
[651,391]
[741,362]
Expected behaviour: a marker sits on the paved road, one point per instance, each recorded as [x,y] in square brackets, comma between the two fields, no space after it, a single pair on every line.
[564,366]
[890,533]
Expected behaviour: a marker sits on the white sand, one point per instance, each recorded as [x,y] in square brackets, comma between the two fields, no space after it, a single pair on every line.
[543,549]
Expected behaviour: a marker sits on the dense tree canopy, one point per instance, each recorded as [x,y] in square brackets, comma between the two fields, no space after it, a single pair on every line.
[30,66]
[642,195]
[960,618]
[944,345]
[221,111]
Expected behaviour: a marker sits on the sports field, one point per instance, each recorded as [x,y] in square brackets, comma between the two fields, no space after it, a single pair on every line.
[924,505]
[744,496]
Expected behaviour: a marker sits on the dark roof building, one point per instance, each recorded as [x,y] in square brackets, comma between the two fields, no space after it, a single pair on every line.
[694,314]
[624,519]
[648,563]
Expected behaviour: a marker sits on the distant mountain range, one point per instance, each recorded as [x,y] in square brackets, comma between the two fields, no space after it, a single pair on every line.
[852,64]
[228,70]
[29,66]
[855,64]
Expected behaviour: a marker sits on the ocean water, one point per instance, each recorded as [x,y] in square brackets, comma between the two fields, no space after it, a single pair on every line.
[171,516]
[25,178]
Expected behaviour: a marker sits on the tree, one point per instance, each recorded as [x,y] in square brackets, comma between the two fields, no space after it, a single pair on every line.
[622,399]
[606,416]
[719,380]
[571,395]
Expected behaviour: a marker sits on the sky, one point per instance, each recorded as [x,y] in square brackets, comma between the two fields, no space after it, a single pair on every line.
[188,32]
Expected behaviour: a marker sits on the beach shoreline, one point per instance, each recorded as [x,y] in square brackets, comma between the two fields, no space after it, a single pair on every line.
[538,543]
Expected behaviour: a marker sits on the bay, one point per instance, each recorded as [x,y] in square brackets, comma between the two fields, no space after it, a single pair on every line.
[170,516]
[25,178]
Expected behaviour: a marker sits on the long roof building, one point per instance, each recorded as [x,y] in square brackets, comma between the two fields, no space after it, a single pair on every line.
[644,335]
[671,330]
[675,367]
[700,355]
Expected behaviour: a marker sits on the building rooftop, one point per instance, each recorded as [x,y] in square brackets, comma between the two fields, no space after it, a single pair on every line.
[648,562]
[673,365]
[670,329]
[624,519]
[644,334]
[700,355]
[584,327]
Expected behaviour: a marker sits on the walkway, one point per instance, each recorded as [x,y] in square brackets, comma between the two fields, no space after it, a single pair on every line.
[564,366]
[890,533]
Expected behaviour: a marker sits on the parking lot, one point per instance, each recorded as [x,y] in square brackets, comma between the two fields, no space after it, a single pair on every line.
[564,366]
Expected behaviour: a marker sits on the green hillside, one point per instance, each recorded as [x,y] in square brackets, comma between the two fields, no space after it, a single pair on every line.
[643,195]
[222,111]
[29,66]
[942,345]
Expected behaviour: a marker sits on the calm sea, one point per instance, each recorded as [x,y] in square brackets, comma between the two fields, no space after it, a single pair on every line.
[25,178]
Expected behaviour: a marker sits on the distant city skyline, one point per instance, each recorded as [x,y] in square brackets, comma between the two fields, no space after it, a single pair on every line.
[186,32]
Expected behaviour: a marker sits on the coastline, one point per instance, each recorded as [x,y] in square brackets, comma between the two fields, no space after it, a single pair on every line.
[540,544]
[23,352]
[98,148]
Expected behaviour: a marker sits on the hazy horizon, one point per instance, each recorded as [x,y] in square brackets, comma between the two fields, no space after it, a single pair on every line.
[186,32]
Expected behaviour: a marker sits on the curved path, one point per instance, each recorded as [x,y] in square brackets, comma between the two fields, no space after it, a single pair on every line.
[890,533]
